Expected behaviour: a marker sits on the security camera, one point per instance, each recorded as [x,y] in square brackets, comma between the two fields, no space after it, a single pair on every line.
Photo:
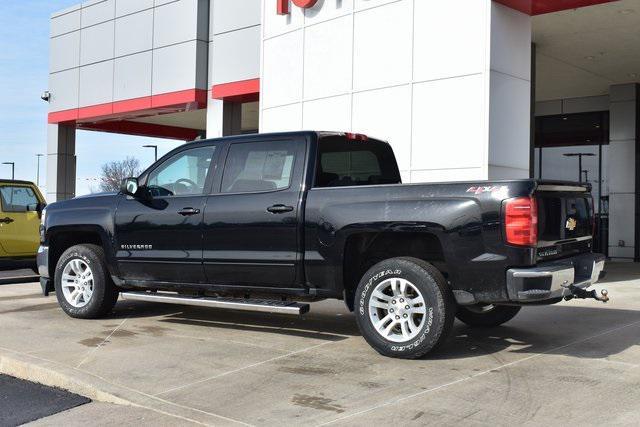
[46,96]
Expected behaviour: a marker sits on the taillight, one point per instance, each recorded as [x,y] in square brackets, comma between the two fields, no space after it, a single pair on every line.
[521,221]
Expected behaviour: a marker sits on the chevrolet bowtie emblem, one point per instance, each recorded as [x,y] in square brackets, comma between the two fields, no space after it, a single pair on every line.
[571,224]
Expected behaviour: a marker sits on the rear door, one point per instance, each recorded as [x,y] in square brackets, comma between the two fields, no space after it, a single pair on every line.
[251,226]
[19,220]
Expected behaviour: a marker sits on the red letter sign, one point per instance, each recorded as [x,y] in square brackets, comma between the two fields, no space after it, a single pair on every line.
[283,5]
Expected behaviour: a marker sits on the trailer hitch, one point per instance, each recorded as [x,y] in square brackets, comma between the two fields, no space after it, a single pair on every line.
[580,293]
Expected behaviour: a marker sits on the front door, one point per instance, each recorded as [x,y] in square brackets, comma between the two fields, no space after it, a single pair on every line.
[251,226]
[160,239]
[19,220]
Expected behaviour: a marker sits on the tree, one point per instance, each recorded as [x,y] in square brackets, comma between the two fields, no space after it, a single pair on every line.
[113,173]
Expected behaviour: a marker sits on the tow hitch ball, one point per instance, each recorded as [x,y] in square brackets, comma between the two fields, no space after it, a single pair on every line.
[580,293]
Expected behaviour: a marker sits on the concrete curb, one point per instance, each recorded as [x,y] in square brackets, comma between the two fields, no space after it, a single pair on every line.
[32,368]
[15,367]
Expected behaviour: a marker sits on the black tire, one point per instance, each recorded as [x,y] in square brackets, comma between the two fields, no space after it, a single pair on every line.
[105,293]
[438,299]
[495,316]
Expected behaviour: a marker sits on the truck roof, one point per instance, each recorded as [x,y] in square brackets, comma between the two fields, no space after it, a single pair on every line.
[245,137]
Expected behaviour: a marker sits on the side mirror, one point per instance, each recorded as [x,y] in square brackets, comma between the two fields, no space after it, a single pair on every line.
[39,208]
[129,186]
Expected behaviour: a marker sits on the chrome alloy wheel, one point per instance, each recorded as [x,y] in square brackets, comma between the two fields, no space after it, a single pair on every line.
[397,310]
[77,283]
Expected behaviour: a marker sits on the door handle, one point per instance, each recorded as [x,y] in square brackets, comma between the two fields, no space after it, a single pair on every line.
[6,220]
[189,211]
[276,209]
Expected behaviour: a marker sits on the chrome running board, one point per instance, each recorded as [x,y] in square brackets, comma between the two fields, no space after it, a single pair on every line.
[261,305]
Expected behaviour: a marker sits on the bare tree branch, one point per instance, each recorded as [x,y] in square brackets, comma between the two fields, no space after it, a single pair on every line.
[113,173]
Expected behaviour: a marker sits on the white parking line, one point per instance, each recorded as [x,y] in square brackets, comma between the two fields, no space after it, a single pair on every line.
[93,350]
[479,374]
[253,365]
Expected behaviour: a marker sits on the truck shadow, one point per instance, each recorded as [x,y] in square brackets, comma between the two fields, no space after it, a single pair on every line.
[556,330]
[620,272]
[561,330]
[332,326]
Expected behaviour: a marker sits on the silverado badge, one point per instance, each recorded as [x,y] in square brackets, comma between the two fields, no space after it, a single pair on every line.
[571,224]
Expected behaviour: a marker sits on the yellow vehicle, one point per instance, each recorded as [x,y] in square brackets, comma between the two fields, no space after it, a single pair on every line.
[21,205]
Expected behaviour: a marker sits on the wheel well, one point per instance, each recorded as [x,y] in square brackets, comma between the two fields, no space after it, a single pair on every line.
[364,250]
[62,241]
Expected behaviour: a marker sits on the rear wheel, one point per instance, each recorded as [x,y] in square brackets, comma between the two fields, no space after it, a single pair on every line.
[487,315]
[83,286]
[404,308]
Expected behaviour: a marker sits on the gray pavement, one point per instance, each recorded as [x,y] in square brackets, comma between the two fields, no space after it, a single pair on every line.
[574,363]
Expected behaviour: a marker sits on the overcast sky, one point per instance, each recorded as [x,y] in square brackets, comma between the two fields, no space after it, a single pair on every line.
[24,64]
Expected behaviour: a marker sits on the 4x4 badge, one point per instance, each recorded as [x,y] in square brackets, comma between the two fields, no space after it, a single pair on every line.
[571,224]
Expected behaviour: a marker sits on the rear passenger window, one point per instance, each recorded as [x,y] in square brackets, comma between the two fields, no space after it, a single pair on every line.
[18,199]
[258,166]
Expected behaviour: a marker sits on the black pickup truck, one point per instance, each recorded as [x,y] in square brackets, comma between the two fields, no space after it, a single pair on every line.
[271,222]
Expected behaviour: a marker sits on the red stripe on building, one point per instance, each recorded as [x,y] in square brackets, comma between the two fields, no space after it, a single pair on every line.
[95,111]
[130,105]
[539,7]
[241,91]
[63,116]
[196,98]
[184,100]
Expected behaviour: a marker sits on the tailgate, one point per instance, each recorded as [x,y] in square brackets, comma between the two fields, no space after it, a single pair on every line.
[565,220]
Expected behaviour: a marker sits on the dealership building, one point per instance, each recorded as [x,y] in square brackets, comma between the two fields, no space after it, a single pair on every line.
[462,89]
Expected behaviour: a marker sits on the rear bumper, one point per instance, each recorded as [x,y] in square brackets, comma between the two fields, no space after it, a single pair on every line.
[551,280]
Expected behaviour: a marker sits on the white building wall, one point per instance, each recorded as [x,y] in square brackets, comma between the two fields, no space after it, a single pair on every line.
[427,76]
[105,51]
[234,52]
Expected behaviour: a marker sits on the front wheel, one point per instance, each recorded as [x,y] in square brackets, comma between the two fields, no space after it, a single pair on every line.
[404,308]
[486,316]
[83,286]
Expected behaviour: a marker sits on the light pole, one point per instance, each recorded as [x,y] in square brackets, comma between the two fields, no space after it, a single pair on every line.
[13,169]
[155,151]
[38,170]
[579,156]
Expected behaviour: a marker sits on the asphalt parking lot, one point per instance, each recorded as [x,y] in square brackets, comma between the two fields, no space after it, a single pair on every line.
[23,401]
[574,363]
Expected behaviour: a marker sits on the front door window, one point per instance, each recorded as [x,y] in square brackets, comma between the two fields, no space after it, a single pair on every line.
[184,174]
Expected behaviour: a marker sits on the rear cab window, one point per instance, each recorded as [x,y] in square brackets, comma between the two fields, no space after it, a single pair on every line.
[345,162]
